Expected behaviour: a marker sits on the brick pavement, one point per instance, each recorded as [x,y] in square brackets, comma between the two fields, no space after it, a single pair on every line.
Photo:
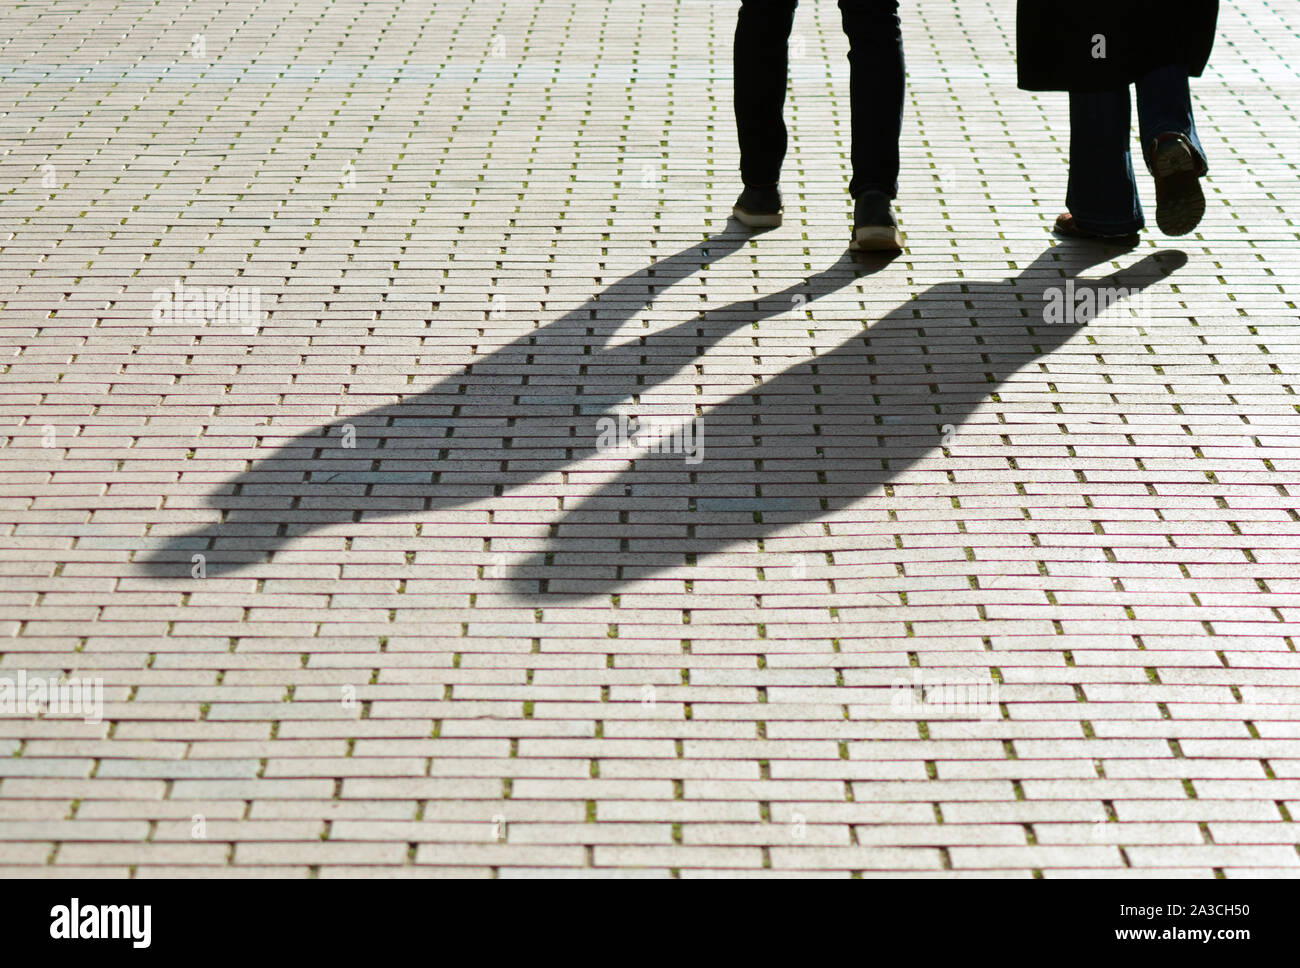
[940,588]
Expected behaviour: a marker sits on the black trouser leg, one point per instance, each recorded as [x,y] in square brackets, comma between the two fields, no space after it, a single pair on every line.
[761,69]
[877,82]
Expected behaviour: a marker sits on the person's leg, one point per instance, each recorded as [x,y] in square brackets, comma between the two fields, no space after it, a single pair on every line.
[1102,195]
[876,88]
[761,69]
[1165,107]
[1172,148]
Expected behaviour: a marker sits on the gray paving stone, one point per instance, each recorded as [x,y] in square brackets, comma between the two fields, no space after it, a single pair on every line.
[436,615]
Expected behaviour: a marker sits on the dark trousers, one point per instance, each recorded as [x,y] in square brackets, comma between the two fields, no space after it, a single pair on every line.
[875,89]
[1103,193]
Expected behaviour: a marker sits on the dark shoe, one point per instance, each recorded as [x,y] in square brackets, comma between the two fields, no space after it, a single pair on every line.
[1068,228]
[874,227]
[1180,203]
[759,208]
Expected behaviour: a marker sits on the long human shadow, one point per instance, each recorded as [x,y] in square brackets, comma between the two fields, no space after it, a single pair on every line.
[826,432]
[511,417]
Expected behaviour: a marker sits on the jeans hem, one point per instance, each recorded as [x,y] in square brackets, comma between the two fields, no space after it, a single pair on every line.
[889,191]
[1108,228]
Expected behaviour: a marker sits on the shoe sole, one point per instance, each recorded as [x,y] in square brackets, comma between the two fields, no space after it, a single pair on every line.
[876,238]
[1180,202]
[755,220]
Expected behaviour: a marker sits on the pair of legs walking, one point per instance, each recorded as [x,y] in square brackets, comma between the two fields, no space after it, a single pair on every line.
[1103,195]
[876,90]
[1102,198]
[876,85]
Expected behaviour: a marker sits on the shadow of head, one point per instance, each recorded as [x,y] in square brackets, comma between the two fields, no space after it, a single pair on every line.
[511,416]
[825,433]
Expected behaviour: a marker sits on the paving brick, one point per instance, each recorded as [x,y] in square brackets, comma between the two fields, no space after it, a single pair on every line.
[856,858]
[1040,857]
[434,612]
[318,852]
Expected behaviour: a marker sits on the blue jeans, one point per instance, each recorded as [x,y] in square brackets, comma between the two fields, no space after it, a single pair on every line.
[1103,194]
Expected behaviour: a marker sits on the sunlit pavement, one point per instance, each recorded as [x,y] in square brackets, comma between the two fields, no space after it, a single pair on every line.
[410,471]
